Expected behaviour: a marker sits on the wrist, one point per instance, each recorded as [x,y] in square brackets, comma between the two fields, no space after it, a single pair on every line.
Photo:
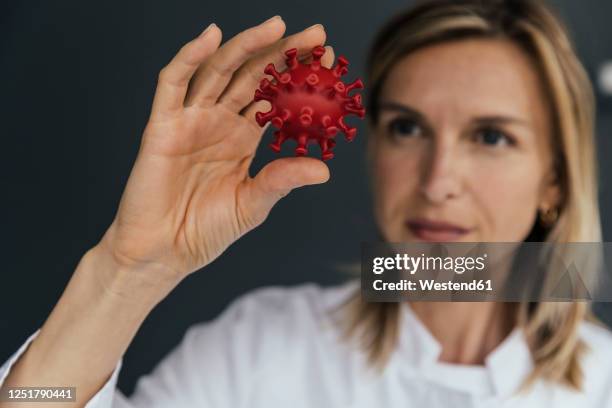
[132,283]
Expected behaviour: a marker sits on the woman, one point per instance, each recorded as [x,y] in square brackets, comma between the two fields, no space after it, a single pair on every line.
[480,130]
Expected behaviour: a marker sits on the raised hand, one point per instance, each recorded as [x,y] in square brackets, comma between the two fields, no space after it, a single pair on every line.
[190,195]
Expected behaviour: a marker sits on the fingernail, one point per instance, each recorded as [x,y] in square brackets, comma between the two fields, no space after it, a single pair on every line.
[277,17]
[208,29]
[316,26]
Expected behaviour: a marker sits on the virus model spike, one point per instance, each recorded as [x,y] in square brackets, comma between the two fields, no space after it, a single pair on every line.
[309,103]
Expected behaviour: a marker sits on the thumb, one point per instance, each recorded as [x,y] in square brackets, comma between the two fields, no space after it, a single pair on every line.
[276,180]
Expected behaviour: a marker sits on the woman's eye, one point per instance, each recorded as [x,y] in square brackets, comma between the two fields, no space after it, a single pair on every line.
[403,127]
[493,137]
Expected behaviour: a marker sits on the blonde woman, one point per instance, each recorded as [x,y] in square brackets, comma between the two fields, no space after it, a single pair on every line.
[480,130]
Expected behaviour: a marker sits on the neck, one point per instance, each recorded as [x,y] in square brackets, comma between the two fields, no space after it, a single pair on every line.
[467,331]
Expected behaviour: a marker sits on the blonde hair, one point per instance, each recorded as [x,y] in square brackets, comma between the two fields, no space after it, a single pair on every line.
[551,328]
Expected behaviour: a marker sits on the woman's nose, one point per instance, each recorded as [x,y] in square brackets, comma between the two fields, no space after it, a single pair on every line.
[440,173]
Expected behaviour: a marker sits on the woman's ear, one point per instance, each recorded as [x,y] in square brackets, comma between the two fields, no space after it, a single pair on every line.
[551,192]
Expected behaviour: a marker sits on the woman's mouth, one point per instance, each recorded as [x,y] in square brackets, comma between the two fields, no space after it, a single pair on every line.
[436,231]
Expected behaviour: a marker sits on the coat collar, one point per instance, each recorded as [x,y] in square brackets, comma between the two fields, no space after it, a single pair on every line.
[505,368]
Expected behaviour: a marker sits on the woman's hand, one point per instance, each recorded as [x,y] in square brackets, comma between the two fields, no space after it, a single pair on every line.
[189,195]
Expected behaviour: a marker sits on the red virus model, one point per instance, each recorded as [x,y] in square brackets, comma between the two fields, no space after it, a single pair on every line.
[309,103]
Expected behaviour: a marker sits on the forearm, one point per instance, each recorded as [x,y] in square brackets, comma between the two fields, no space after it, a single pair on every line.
[89,329]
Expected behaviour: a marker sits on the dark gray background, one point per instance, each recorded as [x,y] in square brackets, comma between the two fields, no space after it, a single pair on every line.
[76,84]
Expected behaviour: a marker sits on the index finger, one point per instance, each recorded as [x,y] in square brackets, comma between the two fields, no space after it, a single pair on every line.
[239,92]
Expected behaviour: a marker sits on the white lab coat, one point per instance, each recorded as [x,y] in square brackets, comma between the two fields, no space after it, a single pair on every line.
[279,347]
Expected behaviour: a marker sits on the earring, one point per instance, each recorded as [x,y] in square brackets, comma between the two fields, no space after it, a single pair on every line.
[549,216]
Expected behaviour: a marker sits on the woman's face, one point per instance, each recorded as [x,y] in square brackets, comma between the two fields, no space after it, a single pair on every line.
[462,148]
